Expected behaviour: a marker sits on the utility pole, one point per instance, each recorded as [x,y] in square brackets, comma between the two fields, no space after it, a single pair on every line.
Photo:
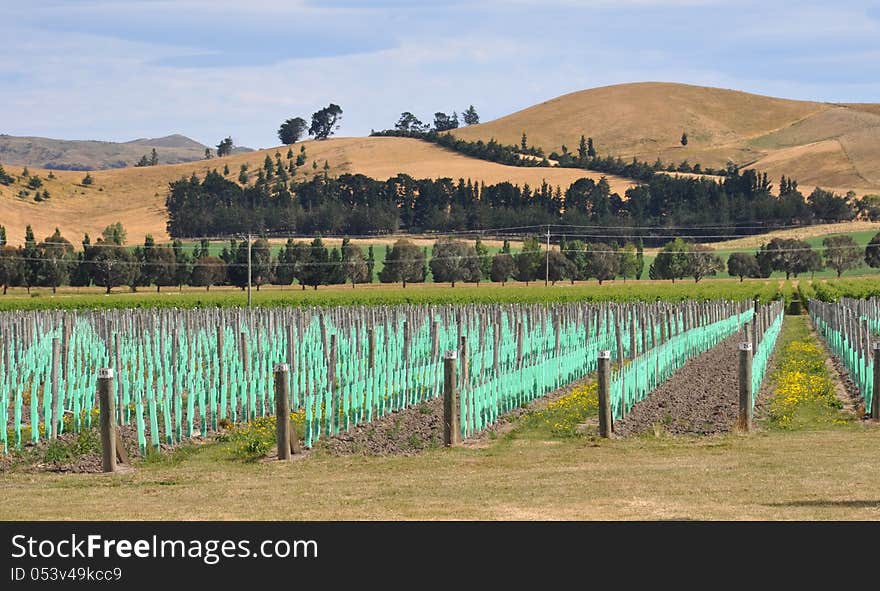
[547,264]
[249,269]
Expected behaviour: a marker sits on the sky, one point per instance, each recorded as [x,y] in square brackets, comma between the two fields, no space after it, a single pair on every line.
[125,69]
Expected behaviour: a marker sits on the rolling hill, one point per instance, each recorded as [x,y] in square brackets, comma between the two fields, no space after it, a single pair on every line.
[55,154]
[136,196]
[835,146]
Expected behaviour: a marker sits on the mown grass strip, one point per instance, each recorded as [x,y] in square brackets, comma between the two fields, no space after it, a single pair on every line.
[803,394]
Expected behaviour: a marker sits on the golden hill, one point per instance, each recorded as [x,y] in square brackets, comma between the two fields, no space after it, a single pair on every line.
[836,146]
[136,196]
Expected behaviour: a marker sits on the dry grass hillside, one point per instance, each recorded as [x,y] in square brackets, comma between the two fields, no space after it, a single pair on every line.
[832,145]
[136,196]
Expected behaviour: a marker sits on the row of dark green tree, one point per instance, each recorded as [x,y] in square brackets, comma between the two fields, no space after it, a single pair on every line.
[109,263]
[679,259]
[354,204]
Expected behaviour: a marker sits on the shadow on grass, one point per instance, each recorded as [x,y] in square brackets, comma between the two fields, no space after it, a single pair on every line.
[823,503]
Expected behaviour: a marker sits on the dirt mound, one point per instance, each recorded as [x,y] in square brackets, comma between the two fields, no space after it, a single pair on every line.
[78,452]
[403,432]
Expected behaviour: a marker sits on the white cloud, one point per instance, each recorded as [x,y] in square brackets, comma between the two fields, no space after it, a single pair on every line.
[65,83]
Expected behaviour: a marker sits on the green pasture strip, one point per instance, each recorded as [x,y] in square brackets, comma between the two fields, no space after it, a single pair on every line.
[803,393]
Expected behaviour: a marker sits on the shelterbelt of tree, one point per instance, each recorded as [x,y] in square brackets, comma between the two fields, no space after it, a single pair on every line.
[357,205]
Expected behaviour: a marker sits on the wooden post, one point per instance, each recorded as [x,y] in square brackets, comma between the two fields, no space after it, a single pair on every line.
[451,417]
[331,363]
[519,344]
[120,403]
[744,421]
[633,341]
[405,361]
[371,344]
[496,352]
[463,352]
[282,411]
[605,419]
[757,332]
[108,425]
[875,397]
[618,337]
[246,365]
[57,407]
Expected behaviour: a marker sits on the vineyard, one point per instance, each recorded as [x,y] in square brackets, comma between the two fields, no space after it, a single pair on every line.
[377,377]
[850,328]
[180,374]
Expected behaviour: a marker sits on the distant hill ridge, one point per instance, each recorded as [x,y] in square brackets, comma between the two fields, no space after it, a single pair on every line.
[55,154]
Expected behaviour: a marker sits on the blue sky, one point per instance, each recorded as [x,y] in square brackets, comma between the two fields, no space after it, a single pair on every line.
[119,70]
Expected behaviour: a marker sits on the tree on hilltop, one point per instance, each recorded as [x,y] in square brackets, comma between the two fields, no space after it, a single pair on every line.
[410,123]
[470,116]
[224,148]
[443,122]
[291,131]
[325,121]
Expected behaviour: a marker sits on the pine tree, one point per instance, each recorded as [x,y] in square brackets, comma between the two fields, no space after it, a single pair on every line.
[591,150]
[523,142]
[224,148]
[371,263]
[640,259]
[31,257]
[684,139]
[470,116]
[582,149]
[154,157]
